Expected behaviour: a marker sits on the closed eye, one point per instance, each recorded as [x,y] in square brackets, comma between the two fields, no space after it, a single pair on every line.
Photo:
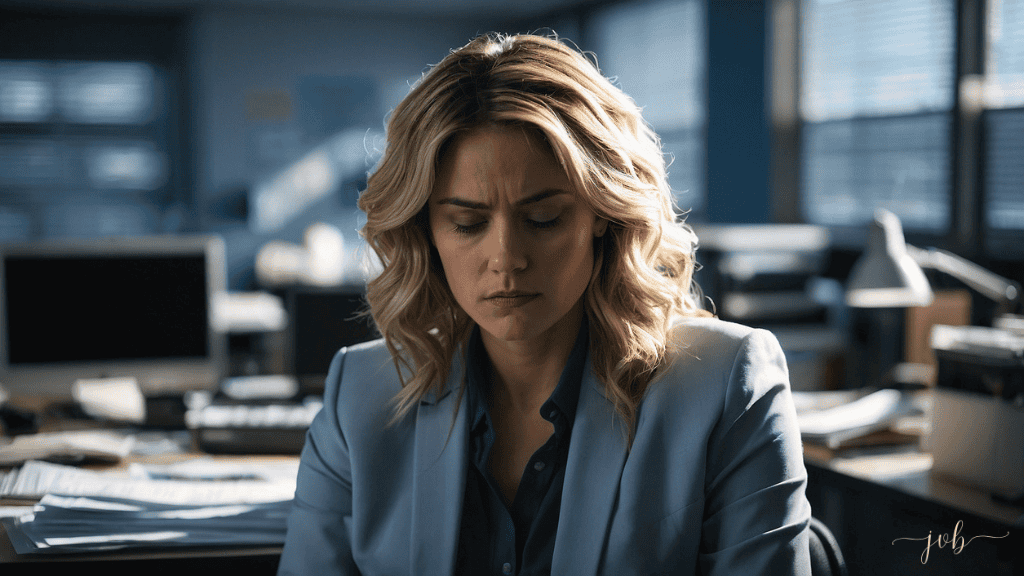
[468,228]
[542,224]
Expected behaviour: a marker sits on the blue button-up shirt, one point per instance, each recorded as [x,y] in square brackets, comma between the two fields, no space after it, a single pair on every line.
[517,539]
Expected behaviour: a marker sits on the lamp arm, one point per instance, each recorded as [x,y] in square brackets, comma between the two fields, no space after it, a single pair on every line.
[1002,290]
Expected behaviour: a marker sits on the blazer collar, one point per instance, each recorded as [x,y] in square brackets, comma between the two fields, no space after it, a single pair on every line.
[455,376]
[439,481]
[597,455]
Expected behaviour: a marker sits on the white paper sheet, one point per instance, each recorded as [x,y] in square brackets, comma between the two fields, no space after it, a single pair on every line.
[36,479]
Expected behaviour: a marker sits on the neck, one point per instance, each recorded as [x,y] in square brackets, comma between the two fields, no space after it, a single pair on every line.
[526,372]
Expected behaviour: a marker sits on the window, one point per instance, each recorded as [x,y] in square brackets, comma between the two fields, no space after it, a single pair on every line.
[916,106]
[876,95]
[88,127]
[656,52]
[1004,127]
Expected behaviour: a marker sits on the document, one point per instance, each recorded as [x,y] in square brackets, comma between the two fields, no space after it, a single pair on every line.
[201,502]
[99,445]
[66,524]
[232,484]
[833,425]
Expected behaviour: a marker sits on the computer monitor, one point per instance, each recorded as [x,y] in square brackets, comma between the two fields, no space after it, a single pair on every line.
[321,321]
[93,308]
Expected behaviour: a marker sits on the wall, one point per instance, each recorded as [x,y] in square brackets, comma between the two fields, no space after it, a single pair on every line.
[237,55]
[738,134]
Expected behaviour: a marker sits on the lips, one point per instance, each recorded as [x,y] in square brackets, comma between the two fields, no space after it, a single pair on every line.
[511,298]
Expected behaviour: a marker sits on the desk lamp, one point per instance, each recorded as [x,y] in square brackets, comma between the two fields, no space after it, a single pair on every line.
[890,275]
[977,420]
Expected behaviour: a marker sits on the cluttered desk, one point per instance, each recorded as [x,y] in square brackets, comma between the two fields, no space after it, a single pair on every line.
[897,499]
[126,438]
[120,495]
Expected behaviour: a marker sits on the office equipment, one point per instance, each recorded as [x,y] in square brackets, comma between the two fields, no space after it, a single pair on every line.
[111,307]
[769,276]
[260,388]
[321,321]
[243,312]
[977,432]
[890,275]
[232,428]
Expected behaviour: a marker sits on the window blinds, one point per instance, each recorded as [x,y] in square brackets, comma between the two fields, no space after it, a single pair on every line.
[876,94]
[1004,121]
[657,53]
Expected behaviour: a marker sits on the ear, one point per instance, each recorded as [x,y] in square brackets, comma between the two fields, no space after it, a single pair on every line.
[600,227]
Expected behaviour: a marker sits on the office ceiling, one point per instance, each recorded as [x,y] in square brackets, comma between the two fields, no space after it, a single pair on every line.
[511,9]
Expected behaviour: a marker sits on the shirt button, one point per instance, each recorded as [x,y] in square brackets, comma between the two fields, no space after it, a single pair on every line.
[506,568]
[552,414]
[538,466]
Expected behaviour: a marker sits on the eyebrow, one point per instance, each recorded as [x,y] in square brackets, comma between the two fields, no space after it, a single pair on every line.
[542,195]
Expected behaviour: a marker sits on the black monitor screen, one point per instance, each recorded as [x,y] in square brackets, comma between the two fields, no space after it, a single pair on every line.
[323,322]
[81,309]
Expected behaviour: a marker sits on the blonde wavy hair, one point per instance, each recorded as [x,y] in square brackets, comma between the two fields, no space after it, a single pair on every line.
[642,276]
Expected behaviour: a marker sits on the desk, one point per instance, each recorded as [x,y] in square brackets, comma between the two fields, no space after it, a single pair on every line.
[198,561]
[254,561]
[870,499]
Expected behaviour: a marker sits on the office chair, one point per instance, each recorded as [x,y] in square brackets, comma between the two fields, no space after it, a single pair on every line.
[826,557]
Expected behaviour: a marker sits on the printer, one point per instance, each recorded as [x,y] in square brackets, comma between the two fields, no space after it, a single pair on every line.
[977,428]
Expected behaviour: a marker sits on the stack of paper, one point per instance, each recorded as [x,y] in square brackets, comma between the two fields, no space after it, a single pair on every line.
[202,482]
[198,502]
[834,424]
[99,445]
[65,524]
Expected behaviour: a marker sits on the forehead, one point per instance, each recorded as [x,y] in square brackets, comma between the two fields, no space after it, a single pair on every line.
[498,159]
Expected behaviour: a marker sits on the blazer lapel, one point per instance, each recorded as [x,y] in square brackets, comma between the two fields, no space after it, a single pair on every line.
[439,481]
[597,455]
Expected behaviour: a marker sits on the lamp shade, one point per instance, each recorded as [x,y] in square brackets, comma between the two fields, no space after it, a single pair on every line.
[886,276]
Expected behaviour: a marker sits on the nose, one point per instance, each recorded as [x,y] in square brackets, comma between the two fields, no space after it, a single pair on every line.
[505,250]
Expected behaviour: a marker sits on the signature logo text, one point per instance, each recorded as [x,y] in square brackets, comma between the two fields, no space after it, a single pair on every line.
[955,541]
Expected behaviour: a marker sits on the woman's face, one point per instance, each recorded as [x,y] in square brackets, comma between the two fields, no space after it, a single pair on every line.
[515,239]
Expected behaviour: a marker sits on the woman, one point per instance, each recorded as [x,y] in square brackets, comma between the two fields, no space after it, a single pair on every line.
[548,396]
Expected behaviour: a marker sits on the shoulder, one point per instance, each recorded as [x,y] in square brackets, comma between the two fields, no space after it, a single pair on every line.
[713,343]
[365,358]
[720,361]
[362,379]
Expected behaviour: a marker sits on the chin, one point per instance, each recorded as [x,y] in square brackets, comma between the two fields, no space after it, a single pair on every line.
[507,329]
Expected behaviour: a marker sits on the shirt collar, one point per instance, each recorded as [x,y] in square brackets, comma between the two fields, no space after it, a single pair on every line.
[565,396]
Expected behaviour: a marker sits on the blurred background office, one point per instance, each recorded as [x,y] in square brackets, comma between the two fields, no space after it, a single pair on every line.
[787,123]
[195,164]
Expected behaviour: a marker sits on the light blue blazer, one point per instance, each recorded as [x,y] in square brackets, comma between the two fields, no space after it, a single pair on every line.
[713,484]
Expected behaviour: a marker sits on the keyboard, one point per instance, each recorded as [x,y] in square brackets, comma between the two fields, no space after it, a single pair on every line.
[233,428]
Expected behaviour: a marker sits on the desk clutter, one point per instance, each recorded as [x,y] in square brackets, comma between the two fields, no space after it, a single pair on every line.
[199,502]
[836,420]
[79,446]
[124,501]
